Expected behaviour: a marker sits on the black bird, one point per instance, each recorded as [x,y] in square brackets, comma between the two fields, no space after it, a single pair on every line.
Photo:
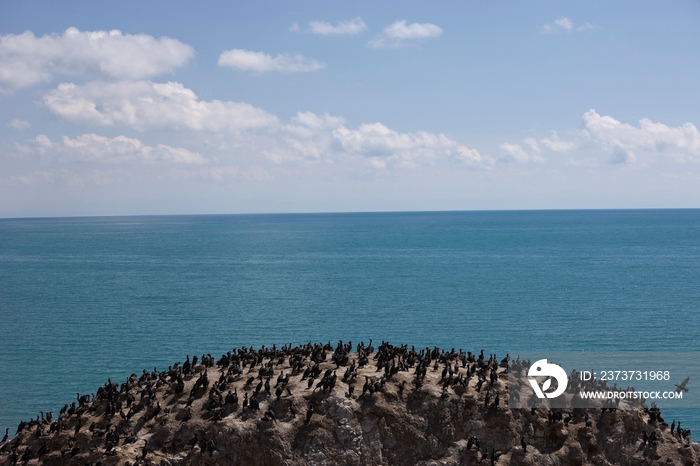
[494,456]
[309,413]
[524,444]
[7,433]
[271,415]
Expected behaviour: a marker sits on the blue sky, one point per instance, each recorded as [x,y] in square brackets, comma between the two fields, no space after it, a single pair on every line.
[167,107]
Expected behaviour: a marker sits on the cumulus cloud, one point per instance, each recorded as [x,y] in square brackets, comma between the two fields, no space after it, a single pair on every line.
[261,62]
[18,124]
[144,105]
[563,24]
[383,146]
[624,141]
[315,137]
[307,136]
[294,28]
[351,27]
[473,157]
[377,139]
[555,144]
[94,148]
[515,153]
[559,24]
[400,33]
[26,60]
[532,144]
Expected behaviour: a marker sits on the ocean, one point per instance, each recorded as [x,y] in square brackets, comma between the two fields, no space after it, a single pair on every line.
[85,299]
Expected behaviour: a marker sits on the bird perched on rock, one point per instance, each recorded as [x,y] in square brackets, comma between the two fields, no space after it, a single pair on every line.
[309,413]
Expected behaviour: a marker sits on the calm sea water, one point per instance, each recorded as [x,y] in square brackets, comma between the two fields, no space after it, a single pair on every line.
[84,299]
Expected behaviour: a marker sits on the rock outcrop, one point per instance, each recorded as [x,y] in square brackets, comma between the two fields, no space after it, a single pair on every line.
[320,405]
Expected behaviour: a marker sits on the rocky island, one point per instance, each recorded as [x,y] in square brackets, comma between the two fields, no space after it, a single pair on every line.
[319,404]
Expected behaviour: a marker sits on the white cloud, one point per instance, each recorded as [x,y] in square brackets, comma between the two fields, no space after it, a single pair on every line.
[260,62]
[402,30]
[146,105]
[26,60]
[400,33]
[555,144]
[315,138]
[378,139]
[308,137]
[565,24]
[623,141]
[473,157]
[559,24]
[532,144]
[294,27]
[95,148]
[18,124]
[351,27]
[247,130]
[515,153]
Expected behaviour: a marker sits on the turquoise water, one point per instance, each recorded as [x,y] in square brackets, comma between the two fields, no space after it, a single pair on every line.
[84,299]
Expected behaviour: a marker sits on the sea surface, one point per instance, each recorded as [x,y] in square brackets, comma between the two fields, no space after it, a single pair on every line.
[84,299]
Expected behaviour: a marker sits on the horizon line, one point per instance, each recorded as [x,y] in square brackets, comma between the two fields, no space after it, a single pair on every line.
[349,212]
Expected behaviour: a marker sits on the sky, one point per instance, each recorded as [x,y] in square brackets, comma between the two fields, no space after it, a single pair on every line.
[146,108]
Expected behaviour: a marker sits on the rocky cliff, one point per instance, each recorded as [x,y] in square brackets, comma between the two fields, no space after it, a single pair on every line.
[325,405]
